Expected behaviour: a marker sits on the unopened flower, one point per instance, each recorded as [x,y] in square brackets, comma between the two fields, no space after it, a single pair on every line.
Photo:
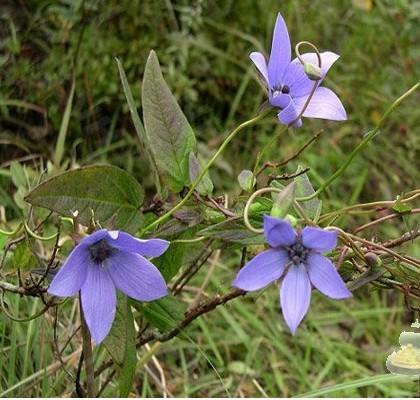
[297,259]
[288,84]
[106,261]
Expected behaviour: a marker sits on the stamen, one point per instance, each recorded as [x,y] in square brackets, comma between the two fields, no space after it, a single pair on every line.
[100,251]
[285,89]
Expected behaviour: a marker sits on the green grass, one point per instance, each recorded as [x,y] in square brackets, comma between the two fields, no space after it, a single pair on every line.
[243,348]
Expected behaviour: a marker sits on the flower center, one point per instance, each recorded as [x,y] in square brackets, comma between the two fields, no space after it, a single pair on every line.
[280,89]
[298,253]
[100,251]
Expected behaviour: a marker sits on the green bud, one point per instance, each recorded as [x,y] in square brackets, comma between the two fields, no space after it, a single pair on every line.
[292,219]
[312,71]
[372,260]
[283,201]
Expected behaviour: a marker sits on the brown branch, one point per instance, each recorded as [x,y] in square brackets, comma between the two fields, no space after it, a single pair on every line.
[270,164]
[402,239]
[190,316]
[386,217]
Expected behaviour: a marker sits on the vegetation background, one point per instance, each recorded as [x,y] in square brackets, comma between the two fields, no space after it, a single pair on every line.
[241,349]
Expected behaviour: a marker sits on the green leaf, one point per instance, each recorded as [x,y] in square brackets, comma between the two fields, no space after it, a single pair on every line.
[128,370]
[109,191]
[283,201]
[122,328]
[233,230]
[138,126]
[22,258]
[205,187]
[400,207]
[246,180]
[168,132]
[164,313]
[18,175]
[304,188]
[59,147]
[176,256]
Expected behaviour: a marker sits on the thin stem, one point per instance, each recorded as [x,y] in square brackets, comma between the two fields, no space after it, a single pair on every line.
[248,205]
[11,233]
[369,136]
[165,216]
[87,355]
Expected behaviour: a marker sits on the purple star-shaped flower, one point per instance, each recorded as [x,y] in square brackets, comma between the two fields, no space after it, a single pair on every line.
[106,261]
[298,259]
[288,84]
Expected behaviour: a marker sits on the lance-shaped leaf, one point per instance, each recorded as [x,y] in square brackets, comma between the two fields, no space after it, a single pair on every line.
[205,186]
[169,135]
[111,193]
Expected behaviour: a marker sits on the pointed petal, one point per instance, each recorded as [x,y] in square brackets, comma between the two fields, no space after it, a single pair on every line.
[278,232]
[323,104]
[148,248]
[263,269]
[319,239]
[280,52]
[325,277]
[259,61]
[136,277]
[99,301]
[295,296]
[328,58]
[71,276]
[280,100]
[298,82]
[94,237]
[289,114]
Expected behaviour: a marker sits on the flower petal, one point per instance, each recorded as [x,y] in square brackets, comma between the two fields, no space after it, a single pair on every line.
[328,58]
[259,61]
[71,276]
[278,99]
[280,52]
[94,237]
[289,114]
[325,277]
[319,239]
[136,277]
[278,232]
[263,269]
[149,248]
[295,296]
[323,104]
[298,82]
[99,301]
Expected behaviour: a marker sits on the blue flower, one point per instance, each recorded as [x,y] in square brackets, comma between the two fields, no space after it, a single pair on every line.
[289,86]
[106,261]
[298,260]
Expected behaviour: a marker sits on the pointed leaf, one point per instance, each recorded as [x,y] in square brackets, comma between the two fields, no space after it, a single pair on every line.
[109,191]
[168,132]
[205,187]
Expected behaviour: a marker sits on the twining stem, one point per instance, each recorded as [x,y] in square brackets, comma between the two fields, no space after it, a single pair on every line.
[369,136]
[87,355]
[245,124]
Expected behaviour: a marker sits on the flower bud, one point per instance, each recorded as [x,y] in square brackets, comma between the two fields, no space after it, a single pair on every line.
[372,260]
[292,219]
[312,71]
[283,201]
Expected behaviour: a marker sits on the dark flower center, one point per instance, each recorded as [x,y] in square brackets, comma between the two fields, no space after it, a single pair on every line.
[100,251]
[298,253]
[285,89]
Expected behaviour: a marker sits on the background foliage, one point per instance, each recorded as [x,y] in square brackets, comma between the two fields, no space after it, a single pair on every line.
[203,49]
